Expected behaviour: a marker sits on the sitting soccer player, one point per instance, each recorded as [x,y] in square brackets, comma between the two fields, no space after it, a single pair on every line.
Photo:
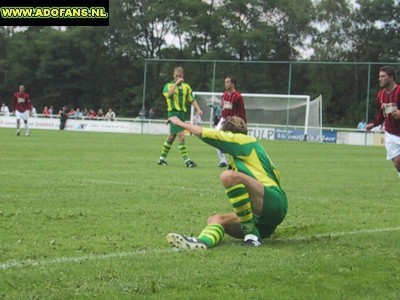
[252,184]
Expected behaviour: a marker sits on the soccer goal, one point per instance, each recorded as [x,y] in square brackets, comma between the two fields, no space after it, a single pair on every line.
[294,117]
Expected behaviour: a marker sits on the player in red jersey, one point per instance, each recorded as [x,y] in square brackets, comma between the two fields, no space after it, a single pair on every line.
[232,104]
[22,107]
[389,113]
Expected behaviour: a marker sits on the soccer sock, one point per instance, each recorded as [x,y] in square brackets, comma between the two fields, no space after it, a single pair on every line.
[398,173]
[212,235]
[18,125]
[221,156]
[240,200]
[184,152]
[165,150]
[26,128]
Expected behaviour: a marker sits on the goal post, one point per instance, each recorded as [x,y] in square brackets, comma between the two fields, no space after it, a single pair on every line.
[294,117]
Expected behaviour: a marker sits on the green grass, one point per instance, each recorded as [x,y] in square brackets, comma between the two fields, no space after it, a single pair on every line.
[85,215]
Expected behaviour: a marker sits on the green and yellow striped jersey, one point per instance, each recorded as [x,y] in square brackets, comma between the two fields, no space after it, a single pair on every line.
[182,97]
[248,156]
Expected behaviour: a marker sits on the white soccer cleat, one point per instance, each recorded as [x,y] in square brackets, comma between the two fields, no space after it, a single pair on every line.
[181,241]
[252,240]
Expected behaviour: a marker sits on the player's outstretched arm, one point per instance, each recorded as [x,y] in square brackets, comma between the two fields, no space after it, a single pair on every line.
[195,129]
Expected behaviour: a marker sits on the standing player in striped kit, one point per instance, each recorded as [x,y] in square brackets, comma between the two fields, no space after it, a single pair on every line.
[252,185]
[22,107]
[178,94]
[232,104]
[389,113]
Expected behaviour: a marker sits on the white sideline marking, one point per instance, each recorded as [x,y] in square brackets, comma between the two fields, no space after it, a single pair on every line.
[132,183]
[13,264]
[60,260]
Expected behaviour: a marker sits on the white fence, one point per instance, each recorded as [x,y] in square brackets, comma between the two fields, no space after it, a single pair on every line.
[150,126]
[119,125]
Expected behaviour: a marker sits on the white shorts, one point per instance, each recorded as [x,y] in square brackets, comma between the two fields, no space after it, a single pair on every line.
[220,123]
[22,115]
[392,144]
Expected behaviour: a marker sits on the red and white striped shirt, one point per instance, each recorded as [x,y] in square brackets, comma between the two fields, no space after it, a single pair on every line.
[386,103]
[233,105]
[21,102]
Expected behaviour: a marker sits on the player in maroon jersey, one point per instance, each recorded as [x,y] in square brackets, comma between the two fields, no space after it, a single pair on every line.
[389,113]
[232,104]
[22,107]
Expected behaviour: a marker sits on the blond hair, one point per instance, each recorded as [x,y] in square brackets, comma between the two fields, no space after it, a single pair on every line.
[235,124]
[179,70]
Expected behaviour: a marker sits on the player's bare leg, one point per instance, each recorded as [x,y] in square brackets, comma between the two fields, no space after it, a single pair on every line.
[171,138]
[18,127]
[230,222]
[396,162]
[26,128]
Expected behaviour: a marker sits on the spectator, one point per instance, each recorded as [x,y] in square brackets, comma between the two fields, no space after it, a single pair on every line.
[63,113]
[4,110]
[151,113]
[71,112]
[85,113]
[362,125]
[110,115]
[46,112]
[142,114]
[92,114]
[51,111]
[78,114]
[100,114]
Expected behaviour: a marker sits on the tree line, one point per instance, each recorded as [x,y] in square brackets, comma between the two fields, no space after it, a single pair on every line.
[101,67]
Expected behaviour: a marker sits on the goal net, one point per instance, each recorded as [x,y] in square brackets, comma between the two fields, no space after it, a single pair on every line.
[293,117]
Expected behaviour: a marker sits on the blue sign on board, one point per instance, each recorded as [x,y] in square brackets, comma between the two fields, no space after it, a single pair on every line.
[298,135]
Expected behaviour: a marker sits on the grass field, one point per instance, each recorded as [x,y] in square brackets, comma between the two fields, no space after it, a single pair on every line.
[85,216]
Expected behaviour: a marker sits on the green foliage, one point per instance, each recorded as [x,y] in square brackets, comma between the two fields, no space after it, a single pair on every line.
[69,67]
[378,33]
[85,215]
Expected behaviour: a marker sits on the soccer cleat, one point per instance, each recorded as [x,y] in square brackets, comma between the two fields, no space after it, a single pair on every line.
[222,165]
[181,241]
[252,240]
[162,162]
[191,164]
[17,133]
